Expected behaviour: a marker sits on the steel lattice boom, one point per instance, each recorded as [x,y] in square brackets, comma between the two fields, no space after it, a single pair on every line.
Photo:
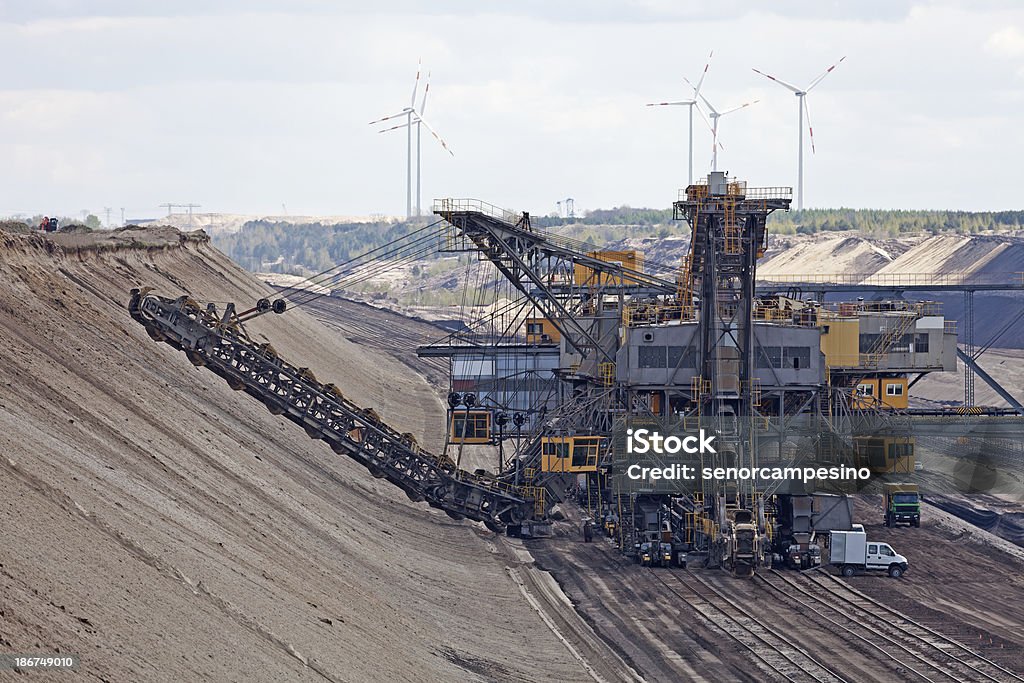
[220,344]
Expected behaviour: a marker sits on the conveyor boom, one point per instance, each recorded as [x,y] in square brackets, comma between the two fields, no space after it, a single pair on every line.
[220,344]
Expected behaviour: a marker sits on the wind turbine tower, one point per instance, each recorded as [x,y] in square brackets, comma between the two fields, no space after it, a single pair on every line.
[691,103]
[714,114]
[412,116]
[801,95]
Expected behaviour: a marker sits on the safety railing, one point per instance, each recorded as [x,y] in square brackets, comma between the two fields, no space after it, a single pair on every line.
[443,206]
[736,189]
[847,309]
[769,193]
[755,391]
[648,313]
[537,493]
[772,314]
[895,279]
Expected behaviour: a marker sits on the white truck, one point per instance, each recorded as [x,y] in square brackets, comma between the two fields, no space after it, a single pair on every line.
[851,550]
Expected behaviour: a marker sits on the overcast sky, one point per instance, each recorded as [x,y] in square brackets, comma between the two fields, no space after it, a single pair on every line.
[242,106]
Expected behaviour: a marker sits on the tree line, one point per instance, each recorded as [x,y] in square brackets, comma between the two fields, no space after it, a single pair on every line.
[300,248]
[304,248]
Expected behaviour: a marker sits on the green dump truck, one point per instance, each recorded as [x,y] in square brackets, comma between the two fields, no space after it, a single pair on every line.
[902,504]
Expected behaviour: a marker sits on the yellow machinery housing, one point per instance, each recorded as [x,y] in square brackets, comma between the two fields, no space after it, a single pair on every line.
[885,454]
[570,454]
[884,392]
[541,331]
[840,341]
[629,258]
[470,426]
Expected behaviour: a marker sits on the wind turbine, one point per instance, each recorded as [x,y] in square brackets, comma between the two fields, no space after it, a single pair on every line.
[801,95]
[714,115]
[412,116]
[690,104]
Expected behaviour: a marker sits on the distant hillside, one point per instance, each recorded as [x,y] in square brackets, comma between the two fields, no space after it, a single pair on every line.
[279,246]
[299,247]
[892,223]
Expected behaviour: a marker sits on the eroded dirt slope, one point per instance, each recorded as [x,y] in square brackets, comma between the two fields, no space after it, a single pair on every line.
[164,527]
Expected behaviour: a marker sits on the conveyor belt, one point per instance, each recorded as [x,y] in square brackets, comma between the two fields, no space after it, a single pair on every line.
[219,343]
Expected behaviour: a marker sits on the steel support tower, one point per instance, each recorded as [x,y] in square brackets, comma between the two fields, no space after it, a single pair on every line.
[727,224]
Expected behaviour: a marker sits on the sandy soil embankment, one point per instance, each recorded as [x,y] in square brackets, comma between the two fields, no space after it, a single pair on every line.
[163,527]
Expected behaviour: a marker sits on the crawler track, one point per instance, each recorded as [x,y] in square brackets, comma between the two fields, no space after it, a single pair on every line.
[921,652]
[779,654]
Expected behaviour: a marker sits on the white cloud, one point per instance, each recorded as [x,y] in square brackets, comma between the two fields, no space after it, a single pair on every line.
[259,103]
[52,28]
[1006,42]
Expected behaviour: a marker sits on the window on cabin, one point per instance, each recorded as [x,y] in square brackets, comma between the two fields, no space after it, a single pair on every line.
[471,426]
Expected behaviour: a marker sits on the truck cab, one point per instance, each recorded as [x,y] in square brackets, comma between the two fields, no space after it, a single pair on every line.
[902,504]
[881,557]
[851,551]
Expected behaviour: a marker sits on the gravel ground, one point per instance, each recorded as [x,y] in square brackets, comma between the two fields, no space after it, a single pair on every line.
[163,527]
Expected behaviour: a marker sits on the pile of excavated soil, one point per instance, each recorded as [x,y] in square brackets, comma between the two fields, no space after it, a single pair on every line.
[981,258]
[823,254]
[15,227]
[162,526]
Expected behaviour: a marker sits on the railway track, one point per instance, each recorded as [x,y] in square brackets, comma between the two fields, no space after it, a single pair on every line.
[921,652]
[632,609]
[907,648]
[780,655]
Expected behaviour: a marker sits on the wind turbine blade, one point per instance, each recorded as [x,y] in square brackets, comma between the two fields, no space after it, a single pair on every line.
[416,84]
[708,105]
[827,71]
[705,120]
[670,104]
[404,112]
[807,116]
[697,95]
[788,86]
[711,128]
[434,133]
[401,125]
[745,104]
[426,91]
[700,82]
